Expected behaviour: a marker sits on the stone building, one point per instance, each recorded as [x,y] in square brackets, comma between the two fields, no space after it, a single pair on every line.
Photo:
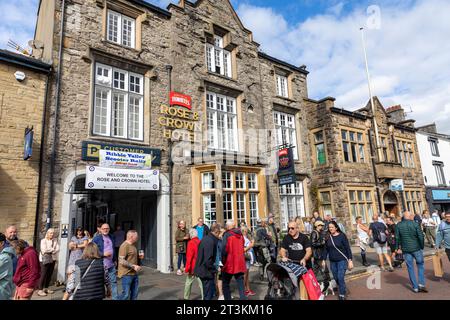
[23,83]
[216,156]
[434,152]
[353,174]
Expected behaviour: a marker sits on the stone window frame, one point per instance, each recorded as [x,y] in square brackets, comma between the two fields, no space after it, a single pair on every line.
[198,193]
[385,148]
[237,124]
[320,203]
[364,143]
[96,85]
[367,217]
[413,201]
[291,192]
[401,152]
[226,46]
[127,10]
[314,144]
[288,75]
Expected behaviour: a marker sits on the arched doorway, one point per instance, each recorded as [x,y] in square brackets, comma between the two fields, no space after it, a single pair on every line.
[390,203]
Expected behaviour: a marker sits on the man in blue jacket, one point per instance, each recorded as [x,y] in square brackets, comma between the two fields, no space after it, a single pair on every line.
[7,254]
[443,235]
[105,243]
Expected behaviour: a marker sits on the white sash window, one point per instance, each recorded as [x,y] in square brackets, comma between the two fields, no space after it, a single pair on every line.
[121,29]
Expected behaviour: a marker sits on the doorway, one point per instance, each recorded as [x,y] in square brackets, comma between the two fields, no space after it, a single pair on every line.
[390,203]
[148,232]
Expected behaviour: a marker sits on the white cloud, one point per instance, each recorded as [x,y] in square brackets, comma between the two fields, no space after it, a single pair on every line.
[409,56]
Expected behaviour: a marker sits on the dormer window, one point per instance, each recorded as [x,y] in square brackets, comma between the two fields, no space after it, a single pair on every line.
[217,58]
[121,29]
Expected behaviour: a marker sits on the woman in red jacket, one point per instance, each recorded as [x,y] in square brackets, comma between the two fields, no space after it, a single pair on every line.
[191,258]
[28,270]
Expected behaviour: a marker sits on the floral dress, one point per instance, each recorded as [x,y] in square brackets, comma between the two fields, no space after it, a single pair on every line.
[76,253]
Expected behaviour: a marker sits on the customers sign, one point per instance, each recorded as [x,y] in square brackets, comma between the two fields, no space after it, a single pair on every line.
[182,100]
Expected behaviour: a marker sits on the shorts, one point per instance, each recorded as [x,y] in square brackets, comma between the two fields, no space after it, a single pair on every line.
[380,248]
[23,293]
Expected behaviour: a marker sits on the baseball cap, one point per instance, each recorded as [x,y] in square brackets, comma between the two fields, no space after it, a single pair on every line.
[318,223]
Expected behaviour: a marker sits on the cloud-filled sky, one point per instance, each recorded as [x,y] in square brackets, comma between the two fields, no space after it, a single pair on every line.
[407,46]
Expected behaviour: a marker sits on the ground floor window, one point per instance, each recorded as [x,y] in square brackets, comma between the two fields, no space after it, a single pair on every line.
[292,202]
[414,201]
[325,204]
[361,204]
[239,196]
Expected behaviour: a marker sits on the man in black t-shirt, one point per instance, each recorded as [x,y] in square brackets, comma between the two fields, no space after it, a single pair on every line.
[296,247]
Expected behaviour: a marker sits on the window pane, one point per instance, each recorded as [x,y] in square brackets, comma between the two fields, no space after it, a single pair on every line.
[134,117]
[368,197]
[227,182]
[344,135]
[361,196]
[352,136]
[352,195]
[354,212]
[127,32]
[346,151]
[240,180]
[253,209]
[318,136]
[113,26]
[101,111]
[325,196]
[227,206]
[240,206]
[209,209]
[354,154]
[118,115]
[208,181]
[361,153]
[119,80]
[360,137]
[252,181]
[320,153]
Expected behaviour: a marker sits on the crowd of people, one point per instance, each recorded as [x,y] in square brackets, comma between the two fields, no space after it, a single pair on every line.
[214,256]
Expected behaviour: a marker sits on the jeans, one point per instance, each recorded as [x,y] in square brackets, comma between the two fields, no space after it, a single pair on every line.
[226,278]
[447,251]
[130,287]
[338,268]
[209,288]
[188,285]
[181,257]
[113,282]
[409,258]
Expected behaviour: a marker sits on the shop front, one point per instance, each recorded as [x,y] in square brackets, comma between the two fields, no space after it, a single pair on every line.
[438,199]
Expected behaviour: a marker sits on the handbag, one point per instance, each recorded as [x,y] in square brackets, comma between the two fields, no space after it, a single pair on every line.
[47,258]
[312,286]
[248,256]
[437,266]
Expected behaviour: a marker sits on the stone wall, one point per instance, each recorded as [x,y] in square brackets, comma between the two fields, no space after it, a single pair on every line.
[21,105]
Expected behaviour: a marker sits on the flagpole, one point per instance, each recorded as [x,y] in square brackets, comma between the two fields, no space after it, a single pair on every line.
[377,137]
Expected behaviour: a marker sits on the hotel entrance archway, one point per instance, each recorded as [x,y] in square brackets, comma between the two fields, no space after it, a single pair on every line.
[391,203]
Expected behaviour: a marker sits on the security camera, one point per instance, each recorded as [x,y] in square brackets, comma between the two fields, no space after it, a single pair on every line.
[20,76]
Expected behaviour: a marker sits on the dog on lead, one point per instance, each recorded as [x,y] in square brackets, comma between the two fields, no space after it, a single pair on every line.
[328,287]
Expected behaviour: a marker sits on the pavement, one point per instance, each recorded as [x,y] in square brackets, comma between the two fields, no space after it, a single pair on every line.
[154,285]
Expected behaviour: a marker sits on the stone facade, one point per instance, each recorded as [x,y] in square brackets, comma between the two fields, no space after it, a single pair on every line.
[21,106]
[176,38]
[341,177]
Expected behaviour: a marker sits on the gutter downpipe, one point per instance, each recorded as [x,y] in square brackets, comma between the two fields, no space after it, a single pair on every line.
[41,160]
[170,163]
[57,105]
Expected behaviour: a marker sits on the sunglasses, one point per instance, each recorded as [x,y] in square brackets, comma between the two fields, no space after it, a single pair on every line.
[292,228]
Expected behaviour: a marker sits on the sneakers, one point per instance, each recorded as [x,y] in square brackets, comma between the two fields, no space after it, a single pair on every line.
[423,289]
[250,293]
[341,297]
[391,269]
[415,290]
[48,291]
[179,273]
[221,297]
[41,293]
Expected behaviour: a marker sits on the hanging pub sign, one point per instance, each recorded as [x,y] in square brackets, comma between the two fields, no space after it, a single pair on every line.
[90,151]
[28,143]
[130,160]
[286,167]
[182,100]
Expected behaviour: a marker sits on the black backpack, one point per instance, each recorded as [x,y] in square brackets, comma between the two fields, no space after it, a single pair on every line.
[379,236]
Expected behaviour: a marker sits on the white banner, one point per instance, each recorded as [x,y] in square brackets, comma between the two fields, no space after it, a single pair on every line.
[396,185]
[121,179]
[119,159]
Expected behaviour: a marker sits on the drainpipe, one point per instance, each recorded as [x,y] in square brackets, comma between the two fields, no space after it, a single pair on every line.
[170,163]
[374,167]
[51,192]
[41,160]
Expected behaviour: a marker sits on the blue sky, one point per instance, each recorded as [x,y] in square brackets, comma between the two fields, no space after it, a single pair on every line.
[407,44]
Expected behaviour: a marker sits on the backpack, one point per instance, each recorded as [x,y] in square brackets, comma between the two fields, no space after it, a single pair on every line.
[379,236]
